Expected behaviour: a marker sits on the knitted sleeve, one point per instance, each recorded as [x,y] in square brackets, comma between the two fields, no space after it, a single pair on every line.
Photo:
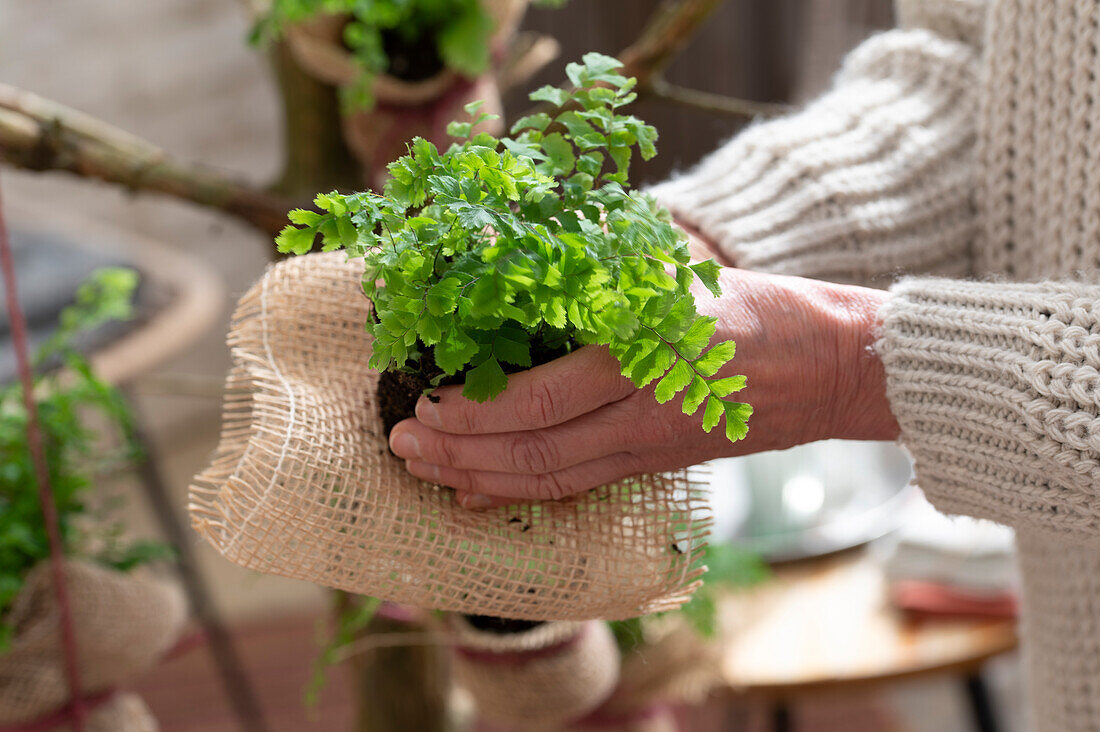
[872,178]
[996,387]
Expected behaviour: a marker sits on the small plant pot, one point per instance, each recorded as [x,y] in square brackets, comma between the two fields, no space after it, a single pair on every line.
[303,485]
[124,623]
[318,46]
[656,717]
[402,108]
[405,110]
[539,678]
[673,665]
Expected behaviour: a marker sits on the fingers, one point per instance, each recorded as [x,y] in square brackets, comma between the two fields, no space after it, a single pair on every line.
[478,489]
[505,488]
[530,452]
[541,397]
[479,501]
[633,424]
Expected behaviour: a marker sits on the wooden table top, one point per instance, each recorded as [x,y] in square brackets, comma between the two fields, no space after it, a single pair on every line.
[826,623]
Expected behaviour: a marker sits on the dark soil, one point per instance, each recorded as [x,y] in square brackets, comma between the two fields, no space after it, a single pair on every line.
[500,626]
[412,60]
[398,391]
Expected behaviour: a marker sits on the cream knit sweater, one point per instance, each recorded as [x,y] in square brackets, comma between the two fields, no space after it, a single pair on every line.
[965,144]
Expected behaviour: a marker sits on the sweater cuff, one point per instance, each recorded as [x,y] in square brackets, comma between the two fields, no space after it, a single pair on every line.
[870,179]
[996,389]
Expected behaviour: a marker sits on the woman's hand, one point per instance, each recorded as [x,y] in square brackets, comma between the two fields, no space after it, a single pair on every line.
[576,423]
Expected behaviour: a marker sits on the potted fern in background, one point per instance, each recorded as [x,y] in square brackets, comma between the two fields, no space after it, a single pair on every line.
[404,68]
[123,622]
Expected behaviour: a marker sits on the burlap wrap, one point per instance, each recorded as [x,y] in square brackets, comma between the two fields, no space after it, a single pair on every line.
[539,679]
[123,622]
[672,666]
[302,485]
[675,665]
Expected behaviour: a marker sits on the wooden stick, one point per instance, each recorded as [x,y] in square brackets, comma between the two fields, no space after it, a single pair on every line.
[714,103]
[403,687]
[527,55]
[38,134]
[665,34]
[670,28]
[230,667]
[42,478]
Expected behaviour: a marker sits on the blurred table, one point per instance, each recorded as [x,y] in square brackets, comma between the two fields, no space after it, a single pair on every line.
[824,625]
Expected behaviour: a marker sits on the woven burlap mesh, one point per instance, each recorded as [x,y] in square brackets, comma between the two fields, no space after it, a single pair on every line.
[302,485]
[123,623]
[543,678]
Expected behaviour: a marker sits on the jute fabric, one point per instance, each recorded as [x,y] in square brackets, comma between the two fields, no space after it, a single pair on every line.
[123,623]
[539,679]
[303,485]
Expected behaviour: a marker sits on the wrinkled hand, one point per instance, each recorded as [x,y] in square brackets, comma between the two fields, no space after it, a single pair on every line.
[577,423]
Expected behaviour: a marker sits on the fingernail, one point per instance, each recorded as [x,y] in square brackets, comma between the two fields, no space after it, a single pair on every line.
[405,444]
[424,471]
[427,413]
[476,501]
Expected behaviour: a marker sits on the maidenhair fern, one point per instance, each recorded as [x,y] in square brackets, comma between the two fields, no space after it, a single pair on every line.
[495,245]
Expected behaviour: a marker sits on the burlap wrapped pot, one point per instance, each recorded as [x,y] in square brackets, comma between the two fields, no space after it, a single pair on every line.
[402,109]
[318,46]
[379,136]
[123,623]
[303,485]
[537,679]
[673,665]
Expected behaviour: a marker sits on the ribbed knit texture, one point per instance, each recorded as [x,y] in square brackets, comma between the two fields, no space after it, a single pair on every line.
[1059,630]
[974,152]
[1039,175]
[958,20]
[996,389]
[872,178]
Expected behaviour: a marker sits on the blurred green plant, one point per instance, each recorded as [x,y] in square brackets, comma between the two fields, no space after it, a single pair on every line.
[351,620]
[75,411]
